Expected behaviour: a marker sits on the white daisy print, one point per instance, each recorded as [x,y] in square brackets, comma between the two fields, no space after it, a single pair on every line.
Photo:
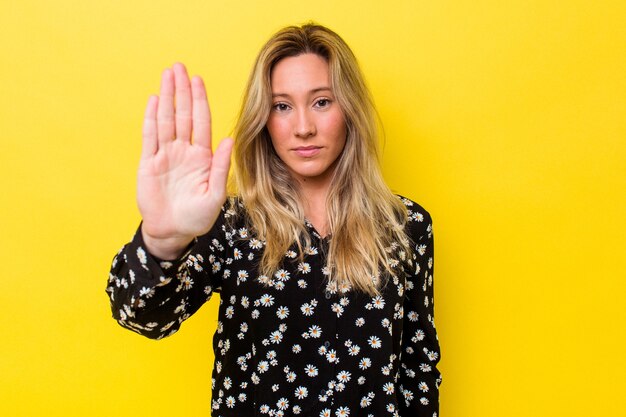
[374,342]
[342,412]
[263,366]
[365,363]
[344,376]
[315,331]
[282,313]
[230,402]
[282,275]
[378,302]
[388,388]
[301,392]
[311,370]
[267,300]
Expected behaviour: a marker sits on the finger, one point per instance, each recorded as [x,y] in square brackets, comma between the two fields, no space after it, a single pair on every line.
[219,168]
[165,110]
[201,114]
[149,132]
[183,102]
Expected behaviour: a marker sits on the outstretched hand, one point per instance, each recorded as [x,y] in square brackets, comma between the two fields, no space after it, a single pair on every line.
[181,184]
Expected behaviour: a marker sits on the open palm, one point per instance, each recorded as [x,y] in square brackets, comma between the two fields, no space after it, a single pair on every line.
[181,184]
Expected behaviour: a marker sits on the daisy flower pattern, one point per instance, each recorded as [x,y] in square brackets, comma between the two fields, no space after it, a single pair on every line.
[290,343]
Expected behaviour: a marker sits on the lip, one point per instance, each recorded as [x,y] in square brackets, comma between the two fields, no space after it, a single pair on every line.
[307,151]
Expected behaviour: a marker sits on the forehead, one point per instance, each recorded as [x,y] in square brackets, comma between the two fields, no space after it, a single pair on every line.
[300,73]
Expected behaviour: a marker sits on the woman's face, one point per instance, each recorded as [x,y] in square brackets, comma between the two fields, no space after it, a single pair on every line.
[306,124]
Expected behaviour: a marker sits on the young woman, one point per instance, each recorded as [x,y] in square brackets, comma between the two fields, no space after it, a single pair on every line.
[325,276]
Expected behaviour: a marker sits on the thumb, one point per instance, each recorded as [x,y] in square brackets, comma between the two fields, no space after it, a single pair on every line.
[220,166]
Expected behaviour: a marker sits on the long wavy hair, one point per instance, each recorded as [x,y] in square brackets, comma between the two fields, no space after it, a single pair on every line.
[365,219]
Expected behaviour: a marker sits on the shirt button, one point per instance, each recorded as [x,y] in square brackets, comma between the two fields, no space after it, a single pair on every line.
[328,295]
[327,343]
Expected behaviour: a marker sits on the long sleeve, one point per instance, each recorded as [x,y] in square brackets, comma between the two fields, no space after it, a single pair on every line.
[419,377]
[153,297]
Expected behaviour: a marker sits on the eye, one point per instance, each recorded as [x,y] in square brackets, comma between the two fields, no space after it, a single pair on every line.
[322,102]
[280,107]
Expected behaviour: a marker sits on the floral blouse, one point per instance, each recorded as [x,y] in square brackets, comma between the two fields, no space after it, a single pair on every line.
[291,344]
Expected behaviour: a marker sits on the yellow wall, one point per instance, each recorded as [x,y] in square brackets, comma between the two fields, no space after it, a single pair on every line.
[505,119]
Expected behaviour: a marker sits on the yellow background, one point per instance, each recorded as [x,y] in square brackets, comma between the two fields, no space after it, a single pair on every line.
[505,119]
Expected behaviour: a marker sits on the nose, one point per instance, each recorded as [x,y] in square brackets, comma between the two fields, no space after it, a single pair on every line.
[305,125]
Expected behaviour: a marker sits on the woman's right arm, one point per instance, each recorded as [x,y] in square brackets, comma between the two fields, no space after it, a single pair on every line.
[153,297]
[181,188]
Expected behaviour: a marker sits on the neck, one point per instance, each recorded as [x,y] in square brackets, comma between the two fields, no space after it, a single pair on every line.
[314,192]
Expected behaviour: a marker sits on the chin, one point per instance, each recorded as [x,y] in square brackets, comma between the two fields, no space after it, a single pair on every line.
[308,173]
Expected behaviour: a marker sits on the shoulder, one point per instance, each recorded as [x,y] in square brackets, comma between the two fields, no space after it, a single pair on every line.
[234,213]
[419,221]
[233,207]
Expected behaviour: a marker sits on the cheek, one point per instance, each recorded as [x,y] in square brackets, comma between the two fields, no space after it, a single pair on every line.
[276,129]
[271,126]
[336,127]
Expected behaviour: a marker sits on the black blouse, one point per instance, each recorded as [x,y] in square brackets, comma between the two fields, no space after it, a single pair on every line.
[291,344]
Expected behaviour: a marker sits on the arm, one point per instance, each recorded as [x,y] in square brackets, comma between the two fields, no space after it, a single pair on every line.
[419,376]
[153,297]
[181,187]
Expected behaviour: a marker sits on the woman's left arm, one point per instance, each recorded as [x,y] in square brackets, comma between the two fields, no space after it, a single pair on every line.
[419,377]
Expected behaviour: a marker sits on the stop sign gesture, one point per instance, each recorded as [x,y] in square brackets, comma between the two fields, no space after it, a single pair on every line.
[181,184]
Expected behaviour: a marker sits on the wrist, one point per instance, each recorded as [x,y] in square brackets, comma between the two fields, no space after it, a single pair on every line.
[167,249]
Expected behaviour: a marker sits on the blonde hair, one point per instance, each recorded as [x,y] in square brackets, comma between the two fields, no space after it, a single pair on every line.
[366,220]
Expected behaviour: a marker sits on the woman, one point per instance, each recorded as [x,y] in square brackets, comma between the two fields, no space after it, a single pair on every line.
[325,276]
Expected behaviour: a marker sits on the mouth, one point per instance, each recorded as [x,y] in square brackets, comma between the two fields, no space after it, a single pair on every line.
[307,151]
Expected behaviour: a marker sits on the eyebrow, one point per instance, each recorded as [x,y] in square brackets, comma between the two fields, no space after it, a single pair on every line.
[315,90]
